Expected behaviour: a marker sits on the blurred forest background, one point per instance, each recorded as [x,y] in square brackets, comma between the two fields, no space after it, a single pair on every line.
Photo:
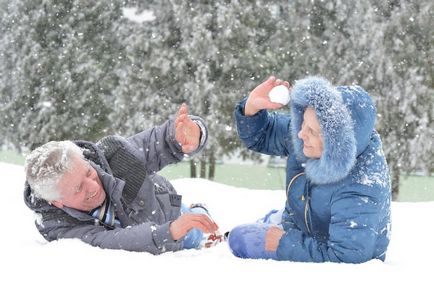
[76,69]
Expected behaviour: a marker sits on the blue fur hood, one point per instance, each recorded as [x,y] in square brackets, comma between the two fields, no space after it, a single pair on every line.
[347,118]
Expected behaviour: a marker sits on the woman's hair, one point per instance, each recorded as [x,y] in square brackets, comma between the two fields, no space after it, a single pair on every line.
[45,165]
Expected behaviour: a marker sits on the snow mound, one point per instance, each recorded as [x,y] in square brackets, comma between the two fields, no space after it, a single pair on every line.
[31,262]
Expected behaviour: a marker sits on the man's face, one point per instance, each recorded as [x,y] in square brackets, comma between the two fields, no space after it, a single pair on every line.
[80,188]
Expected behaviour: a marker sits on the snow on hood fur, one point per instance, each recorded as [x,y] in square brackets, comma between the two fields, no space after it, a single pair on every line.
[347,117]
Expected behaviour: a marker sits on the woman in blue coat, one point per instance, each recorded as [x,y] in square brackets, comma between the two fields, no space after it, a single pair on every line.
[338,186]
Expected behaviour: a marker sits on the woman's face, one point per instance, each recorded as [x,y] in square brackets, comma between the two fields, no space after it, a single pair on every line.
[310,134]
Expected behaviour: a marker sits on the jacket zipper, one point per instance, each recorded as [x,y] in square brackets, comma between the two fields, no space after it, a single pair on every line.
[290,183]
[306,207]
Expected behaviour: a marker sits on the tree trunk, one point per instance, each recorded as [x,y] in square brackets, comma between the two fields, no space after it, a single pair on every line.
[395,184]
[193,173]
[203,169]
[395,172]
[211,172]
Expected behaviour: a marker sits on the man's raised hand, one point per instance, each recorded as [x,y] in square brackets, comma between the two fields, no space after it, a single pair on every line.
[187,132]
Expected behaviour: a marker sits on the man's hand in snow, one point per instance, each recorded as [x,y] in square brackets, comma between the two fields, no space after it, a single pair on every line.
[181,226]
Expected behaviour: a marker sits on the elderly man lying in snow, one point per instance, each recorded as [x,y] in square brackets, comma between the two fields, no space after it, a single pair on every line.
[109,195]
[338,185]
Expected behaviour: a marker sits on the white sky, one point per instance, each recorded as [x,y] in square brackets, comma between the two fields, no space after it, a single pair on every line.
[28,261]
[143,16]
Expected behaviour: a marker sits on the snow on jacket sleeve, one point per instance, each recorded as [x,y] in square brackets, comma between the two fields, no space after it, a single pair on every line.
[145,237]
[263,132]
[159,147]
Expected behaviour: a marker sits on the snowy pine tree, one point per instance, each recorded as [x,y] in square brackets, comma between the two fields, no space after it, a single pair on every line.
[206,53]
[404,80]
[57,76]
[229,47]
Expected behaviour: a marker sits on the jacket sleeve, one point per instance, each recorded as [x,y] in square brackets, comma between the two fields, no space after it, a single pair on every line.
[264,132]
[145,237]
[159,147]
[354,222]
[288,222]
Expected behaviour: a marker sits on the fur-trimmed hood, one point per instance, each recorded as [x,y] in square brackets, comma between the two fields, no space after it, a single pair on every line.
[347,117]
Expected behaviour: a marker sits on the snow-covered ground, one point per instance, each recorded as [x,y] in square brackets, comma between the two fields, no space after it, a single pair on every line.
[28,261]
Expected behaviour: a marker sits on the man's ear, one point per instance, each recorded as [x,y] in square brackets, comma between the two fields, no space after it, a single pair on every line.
[57,204]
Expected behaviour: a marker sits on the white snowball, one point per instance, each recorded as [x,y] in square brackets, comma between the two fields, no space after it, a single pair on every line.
[279,94]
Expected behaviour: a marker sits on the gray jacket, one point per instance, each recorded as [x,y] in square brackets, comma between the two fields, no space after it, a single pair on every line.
[145,203]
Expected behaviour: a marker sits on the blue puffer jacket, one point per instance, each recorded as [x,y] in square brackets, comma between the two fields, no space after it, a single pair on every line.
[338,206]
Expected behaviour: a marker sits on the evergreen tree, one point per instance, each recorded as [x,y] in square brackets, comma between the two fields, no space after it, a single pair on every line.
[59,57]
[405,88]
[206,53]
[219,53]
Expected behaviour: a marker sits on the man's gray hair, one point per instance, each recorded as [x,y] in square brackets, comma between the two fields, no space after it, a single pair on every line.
[46,164]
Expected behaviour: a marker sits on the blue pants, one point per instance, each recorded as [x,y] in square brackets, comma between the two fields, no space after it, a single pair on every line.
[194,236]
[248,241]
